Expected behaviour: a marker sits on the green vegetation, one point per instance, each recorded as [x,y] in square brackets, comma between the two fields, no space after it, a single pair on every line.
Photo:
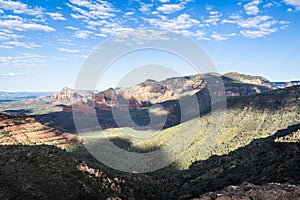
[258,143]
[238,77]
[247,118]
[5,133]
[293,138]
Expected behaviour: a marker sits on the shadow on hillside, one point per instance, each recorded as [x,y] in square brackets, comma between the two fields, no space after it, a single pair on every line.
[276,100]
[18,112]
[260,162]
[178,111]
[47,172]
[271,101]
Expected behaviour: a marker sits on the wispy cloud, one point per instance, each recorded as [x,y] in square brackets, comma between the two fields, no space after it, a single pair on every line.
[4,59]
[6,47]
[29,45]
[214,18]
[164,1]
[251,8]
[23,60]
[98,15]
[82,34]
[295,3]
[7,35]
[20,8]
[96,10]
[65,50]
[21,25]
[145,8]
[254,27]
[200,35]
[170,8]
[57,16]
[183,21]
[72,28]
[13,74]
[221,37]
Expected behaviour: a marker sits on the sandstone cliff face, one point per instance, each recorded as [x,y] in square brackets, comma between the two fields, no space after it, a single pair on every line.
[167,93]
[107,96]
[69,95]
[152,92]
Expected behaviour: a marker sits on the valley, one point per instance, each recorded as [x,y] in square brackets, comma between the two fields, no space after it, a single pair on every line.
[258,145]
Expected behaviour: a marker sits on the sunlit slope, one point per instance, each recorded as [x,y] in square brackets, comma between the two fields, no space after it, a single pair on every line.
[247,118]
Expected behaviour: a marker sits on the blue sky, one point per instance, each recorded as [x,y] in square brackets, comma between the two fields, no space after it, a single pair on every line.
[44,43]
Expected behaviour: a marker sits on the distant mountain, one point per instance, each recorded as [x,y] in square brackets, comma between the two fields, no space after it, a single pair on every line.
[19,96]
[167,93]
[69,95]
[147,93]
[63,97]
[286,84]
[248,79]
[235,84]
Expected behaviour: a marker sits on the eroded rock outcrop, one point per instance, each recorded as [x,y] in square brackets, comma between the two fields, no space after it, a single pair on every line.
[248,191]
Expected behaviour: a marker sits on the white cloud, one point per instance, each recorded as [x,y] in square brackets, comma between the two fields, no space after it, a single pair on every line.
[5,59]
[289,10]
[67,50]
[295,3]
[258,22]
[29,45]
[72,28]
[82,34]
[258,26]
[5,47]
[251,8]
[145,8]
[214,18]
[183,21]
[7,35]
[101,35]
[23,60]
[98,15]
[114,30]
[200,35]
[11,74]
[221,37]
[255,27]
[209,8]
[20,8]
[256,33]
[129,13]
[164,1]
[139,36]
[20,25]
[96,10]
[268,5]
[57,16]
[170,8]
